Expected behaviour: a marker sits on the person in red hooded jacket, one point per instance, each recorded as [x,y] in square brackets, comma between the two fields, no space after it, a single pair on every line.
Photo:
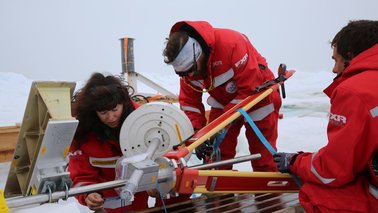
[343,175]
[101,106]
[223,63]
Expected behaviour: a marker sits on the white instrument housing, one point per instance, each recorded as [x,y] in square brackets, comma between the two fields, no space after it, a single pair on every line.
[154,121]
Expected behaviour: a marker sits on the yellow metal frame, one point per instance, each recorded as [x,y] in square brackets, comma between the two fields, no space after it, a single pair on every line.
[47,101]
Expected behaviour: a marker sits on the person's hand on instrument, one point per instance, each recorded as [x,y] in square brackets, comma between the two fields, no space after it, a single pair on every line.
[94,201]
[284,161]
[153,192]
[204,150]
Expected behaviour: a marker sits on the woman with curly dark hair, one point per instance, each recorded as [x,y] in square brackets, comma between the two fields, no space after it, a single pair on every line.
[101,106]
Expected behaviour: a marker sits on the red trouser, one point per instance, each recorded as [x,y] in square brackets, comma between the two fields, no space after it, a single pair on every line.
[353,196]
[268,127]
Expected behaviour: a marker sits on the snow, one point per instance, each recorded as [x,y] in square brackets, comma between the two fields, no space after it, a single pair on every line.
[303,127]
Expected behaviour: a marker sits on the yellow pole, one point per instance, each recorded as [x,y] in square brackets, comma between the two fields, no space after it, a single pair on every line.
[3,205]
[203,190]
[230,173]
[234,116]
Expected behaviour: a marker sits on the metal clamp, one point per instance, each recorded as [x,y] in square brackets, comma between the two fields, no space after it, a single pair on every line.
[50,193]
[66,192]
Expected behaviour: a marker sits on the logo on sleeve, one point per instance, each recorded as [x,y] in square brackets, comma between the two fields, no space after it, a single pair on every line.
[231,87]
[217,63]
[242,61]
[75,154]
[338,120]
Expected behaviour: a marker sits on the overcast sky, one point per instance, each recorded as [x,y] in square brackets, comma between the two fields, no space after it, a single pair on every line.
[70,39]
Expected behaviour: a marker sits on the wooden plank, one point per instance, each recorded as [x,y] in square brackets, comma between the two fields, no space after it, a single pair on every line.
[8,140]
[6,156]
[227,203]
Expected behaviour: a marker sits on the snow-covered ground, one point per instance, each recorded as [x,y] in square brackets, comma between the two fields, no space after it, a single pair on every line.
[303,127]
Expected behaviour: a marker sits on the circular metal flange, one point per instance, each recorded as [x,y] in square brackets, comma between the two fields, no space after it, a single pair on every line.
[151,121]
[166,175]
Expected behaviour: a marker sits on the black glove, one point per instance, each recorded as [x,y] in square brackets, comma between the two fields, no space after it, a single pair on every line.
[284,161]
[203,150]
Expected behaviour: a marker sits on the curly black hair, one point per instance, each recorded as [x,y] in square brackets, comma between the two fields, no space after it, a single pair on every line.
[356,37]
[99,93]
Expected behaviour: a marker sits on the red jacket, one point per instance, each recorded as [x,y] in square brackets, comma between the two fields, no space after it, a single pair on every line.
[233,71]
[337,176]
[94,162]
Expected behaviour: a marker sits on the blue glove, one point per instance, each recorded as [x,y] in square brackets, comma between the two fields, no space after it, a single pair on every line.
[284,161]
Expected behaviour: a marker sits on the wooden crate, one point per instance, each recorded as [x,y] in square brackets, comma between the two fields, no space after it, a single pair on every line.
[8,140]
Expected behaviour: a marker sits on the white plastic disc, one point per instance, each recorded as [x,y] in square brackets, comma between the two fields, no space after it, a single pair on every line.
[151,121]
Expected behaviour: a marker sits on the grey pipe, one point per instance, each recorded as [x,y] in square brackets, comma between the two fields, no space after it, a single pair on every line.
[43,198]
[227,162]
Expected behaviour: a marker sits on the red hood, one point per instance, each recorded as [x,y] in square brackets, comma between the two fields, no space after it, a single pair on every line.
[202,27]
[365,61]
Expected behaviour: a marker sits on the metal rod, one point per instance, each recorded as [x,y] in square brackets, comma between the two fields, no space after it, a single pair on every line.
[151,149]
[43,198]
[227,162]
[152,84]
[128,191]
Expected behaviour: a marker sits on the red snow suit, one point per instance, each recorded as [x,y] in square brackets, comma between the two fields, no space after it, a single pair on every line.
[94,163]
[336,178]
[234,70]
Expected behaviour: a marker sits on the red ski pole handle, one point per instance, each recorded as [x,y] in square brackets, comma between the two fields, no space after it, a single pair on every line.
[282,70]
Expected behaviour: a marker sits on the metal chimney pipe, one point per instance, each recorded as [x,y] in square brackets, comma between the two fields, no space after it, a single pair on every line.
[127,54]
